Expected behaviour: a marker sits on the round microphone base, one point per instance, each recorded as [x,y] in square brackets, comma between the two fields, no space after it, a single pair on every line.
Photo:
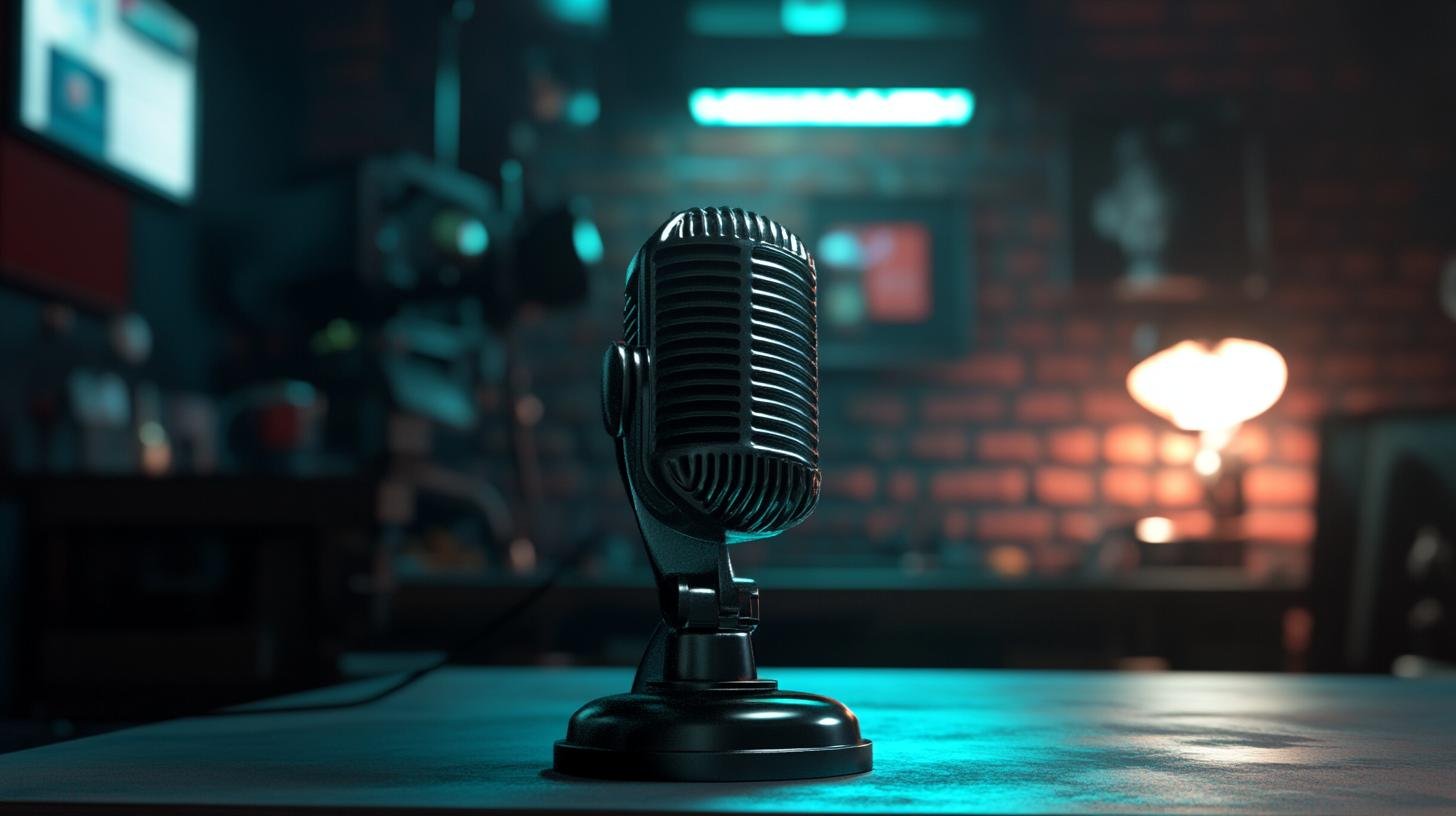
[726,732]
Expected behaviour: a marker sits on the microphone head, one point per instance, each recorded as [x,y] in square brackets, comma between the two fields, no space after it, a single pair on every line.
[721,438]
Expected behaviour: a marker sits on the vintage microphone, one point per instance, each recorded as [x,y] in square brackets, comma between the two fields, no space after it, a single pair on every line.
[713,397]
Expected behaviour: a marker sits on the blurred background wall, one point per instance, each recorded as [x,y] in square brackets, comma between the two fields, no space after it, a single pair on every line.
[1028,445]
[983,488]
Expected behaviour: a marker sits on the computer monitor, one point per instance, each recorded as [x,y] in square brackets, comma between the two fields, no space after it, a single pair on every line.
[114,82]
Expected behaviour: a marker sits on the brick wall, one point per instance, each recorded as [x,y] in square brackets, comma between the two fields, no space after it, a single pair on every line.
[1027,451]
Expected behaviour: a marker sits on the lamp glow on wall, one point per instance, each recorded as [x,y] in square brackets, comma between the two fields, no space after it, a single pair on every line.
[1210,389]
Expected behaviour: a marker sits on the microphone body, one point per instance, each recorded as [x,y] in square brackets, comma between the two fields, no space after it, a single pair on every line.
[712,395]
[721,303]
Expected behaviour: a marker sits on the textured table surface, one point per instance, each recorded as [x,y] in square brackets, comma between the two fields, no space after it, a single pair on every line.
[945,742]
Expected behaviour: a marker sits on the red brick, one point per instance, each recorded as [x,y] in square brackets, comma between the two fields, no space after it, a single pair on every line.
[1302,367]
[1282,526]
[992,223]
[1048,295]
[1063,486]
[1353,79]
[1062,369]
[946,444]
[1149,46]
[1044,406]
[853,483]
[1177,448]
[1365,400]
[1015,525]
[1084,334]
[1076,446]
[1215,12]
[1421,367]
[989,369]
[1079,526]
[884,524]
[1044,226]
[1053,557]
[1403,298]
[997,297]
[1008,446]
[1177,487]
[1420,265]
[1344,368]
[1120,13]
[1361,332]
[878,410]
[1330,194]
[1294,80]
[1270,484]
[1262,44]
[963,408]
[1126,486]
[1311,297]
[1297,446]
[1191,523]
[1301,404]
[956,525]
[1360,266]
[1116,367]
[1128,444]
[1027,264]
[884,446]
[1304,336]
[1031,334]
[1110,405]
[903,485]
[979,485]
[1250,444]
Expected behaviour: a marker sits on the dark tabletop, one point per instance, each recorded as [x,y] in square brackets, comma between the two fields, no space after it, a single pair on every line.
[945,741]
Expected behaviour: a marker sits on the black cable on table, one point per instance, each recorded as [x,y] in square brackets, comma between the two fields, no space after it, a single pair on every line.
[452,655]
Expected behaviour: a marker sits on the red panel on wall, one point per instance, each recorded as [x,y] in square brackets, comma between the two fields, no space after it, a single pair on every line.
[62,230]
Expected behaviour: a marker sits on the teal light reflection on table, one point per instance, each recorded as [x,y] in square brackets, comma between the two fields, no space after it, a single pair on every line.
[944,742]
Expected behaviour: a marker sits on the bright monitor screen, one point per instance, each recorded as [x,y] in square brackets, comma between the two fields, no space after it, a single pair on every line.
[116,82]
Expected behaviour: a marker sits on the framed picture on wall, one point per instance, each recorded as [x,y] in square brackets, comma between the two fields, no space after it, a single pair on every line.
[895,281]
[1167,201]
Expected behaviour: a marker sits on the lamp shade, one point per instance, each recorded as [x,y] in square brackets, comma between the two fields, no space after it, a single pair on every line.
[1203,388]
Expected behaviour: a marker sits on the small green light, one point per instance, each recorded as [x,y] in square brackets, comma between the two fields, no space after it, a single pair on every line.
[582,108]
[840,248]
[812,18]
[471,238]
[338,335]
[832,107]
[152,433]
[588,241]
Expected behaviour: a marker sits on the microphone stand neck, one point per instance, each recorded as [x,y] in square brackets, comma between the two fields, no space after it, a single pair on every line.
[708,614]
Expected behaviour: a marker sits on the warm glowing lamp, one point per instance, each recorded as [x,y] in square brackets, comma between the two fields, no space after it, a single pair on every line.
[1211,389]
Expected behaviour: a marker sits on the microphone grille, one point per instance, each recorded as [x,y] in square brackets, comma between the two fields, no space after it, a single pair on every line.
[733,336]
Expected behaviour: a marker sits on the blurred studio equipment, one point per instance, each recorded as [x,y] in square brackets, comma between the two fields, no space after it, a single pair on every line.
[1383,577]
[399,309]
[1210,389]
